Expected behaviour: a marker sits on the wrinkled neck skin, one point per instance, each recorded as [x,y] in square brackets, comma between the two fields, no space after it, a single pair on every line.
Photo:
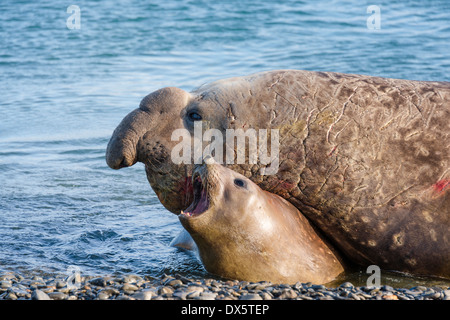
[256,236]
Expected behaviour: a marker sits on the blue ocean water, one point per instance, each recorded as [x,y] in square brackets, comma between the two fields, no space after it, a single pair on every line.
[63,91]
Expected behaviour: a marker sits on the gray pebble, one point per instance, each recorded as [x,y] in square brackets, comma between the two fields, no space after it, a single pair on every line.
[5,284]
[325,297]
[11,296]
[98,282]
[103,296]
[420,288]
[20,293]
[346,285]
[195,288]
[39,295]
[64,290]
[354,296]
[180,294]
[132,278]
[48,289]
[124,297]
[288,294]
[129,287]
[174,283]
[165,290]
[387,288]
[319,287]
[193,295]
[57,296]
[144,295]
[206,296]
[251,296]
[446,293]
[434,296]
[266,296]
[8,276]
[110,291]
[258,286]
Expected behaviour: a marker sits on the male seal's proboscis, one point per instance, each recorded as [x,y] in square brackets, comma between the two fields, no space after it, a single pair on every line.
[365,159]
[243,232]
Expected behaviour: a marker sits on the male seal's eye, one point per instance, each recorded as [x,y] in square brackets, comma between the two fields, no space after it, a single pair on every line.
[239,183]
[194,116]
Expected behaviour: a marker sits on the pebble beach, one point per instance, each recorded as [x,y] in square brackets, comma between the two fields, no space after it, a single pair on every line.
[14,286]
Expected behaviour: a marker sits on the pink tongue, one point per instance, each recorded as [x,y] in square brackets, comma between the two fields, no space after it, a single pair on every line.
[202,204]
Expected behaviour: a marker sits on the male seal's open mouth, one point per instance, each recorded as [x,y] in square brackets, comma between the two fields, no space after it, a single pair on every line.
[201,198]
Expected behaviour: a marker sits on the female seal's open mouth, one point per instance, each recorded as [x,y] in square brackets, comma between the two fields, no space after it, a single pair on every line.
[201,199]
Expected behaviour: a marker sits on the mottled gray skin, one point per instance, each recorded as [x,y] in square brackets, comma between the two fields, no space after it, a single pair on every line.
[366,159]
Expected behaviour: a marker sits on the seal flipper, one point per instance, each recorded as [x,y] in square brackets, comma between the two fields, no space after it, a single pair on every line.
[184,240]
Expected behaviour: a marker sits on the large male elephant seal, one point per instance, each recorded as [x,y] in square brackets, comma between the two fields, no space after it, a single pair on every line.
[365,159]
[243,232]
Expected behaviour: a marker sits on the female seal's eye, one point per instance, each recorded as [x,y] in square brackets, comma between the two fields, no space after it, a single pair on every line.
[194,116]
[239,183]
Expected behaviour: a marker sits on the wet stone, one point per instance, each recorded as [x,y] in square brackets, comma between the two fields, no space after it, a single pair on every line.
[216,284]
[193,295]
[5,284]
[144,295]
[11,296]
[354,296]
[132,278]
[389,297]
[434,296]
[387,288]
[180,295]
[266,296]
[57,296]
[251,296]
[183,279]
[8,276]
[103,296]
[110,291]
[129,287]
[174,283]
[346,285]
[165,291]
[100,282]
[206,296]
[288,294]
[21,293]
[420,288]
[124,297]
[194,288]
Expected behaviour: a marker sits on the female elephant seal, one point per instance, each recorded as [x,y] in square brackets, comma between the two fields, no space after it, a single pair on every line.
[243,232]
[365,159]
